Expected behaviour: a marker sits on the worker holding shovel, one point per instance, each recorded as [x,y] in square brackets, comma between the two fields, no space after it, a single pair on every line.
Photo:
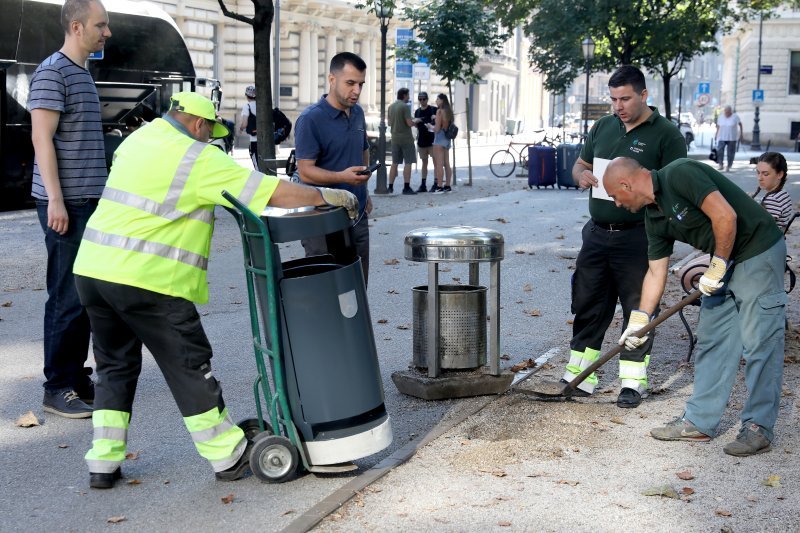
[743,307]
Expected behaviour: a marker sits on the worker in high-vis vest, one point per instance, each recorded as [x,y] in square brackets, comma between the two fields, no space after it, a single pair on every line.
[141,268]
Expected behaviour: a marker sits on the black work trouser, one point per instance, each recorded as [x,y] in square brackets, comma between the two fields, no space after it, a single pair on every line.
[611,266]
[124,317]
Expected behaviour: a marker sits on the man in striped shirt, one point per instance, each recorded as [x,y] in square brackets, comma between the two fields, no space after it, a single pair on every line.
[68,178]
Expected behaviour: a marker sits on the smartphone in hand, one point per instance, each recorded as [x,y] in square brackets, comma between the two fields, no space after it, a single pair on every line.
[369,170]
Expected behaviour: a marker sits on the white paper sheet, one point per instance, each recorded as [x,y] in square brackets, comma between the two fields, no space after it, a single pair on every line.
[599,169]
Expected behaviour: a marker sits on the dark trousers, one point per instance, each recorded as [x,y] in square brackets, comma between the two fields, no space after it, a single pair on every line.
[360,236]
[611,266]
[123,318]
[730,148]
[66,325]
[253,149]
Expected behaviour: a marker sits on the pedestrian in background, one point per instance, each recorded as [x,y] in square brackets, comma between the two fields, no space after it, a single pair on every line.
[442,172]
[141,269]
[403,151]
[69,174]
[423,116]
[771,171]
[729,133]
[743,309]
[612,261]
[332,149]
[248,123]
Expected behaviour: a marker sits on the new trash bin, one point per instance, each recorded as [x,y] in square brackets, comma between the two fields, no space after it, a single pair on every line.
[317,322]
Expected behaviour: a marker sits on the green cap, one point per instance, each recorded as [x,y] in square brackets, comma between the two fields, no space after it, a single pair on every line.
[199,106]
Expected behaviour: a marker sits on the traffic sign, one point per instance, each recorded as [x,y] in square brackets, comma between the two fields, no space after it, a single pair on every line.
[403,69]
[704,87]
[703,99]
[758,96]
[402,36]
[422,71]
[766,69]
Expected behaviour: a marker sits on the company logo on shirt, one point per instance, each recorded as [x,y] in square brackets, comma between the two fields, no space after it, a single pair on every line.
[679,213]
[637,147]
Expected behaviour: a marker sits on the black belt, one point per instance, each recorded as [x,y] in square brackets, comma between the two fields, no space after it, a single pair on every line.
[618,227]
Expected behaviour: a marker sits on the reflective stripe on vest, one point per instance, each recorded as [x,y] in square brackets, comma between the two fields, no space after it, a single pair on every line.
[138,245]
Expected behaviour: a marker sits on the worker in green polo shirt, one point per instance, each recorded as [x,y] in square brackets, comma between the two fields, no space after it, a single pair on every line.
[743,308]
[613,258]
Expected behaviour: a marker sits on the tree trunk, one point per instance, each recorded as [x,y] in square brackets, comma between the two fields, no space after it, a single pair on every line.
[262,29]
[667,98]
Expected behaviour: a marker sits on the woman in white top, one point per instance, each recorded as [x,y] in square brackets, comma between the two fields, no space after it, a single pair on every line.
[729,132]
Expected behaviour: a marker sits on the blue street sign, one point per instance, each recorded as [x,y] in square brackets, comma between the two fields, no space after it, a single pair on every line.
[402,36]
[758,96]
[403,69]
[97,55]
[766,69]
[704,87]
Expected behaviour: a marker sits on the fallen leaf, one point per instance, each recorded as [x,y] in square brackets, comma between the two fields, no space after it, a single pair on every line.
[392,291]
[752,498]
[568,482]
[722,512]
[27,420]
[227,499]
[6,304]
[570,321]
[530,363]
[403,326]
[505,357]
[533,312]
[134,482]
[773,481]
[392,261]
[497,473]
[62,446]
[504,524]
[685,475]
[687,490]
[501,220]
[132,456]
[617,420]
[519,252]
[116,519]
[527,287]
[290,511]
[661,490]
[383,321]
[560,237]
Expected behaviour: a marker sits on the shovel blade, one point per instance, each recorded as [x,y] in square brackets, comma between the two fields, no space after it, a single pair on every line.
[549,389]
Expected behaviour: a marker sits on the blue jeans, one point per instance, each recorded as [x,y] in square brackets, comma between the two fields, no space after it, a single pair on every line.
[66,324]
[749,322]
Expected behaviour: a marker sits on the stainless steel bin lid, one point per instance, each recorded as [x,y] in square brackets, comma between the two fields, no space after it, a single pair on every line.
[453,244]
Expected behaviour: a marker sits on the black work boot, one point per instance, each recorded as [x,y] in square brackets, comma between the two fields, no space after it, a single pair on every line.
[423,187]
[99,480]
[240,469]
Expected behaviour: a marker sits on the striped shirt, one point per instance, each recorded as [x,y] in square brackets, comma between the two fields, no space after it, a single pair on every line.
[61,85]
[779,205]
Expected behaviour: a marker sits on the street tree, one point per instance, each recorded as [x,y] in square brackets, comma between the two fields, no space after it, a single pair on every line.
[261,22]
[453,35]
[659,35]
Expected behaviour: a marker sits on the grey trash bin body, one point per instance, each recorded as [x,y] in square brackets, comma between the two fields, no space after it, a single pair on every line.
[332,376]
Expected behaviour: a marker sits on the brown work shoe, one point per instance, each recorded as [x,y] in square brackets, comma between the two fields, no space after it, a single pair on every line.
[749,441]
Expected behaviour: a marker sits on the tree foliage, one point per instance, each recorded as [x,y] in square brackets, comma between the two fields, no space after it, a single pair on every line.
[261,21]
[659,35]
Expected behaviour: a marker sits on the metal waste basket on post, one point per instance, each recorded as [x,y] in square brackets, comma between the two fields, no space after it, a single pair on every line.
[450,320]
[325,394]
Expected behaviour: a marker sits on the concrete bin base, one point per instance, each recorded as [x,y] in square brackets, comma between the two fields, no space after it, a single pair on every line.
[451,384]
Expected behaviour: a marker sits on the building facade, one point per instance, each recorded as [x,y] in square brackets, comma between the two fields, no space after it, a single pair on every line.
[311,32]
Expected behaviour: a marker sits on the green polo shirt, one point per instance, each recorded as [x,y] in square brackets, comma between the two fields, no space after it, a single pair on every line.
[680,189]
[653,143]
[397,113]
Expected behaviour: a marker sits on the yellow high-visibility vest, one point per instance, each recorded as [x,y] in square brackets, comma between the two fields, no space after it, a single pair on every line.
[152,227]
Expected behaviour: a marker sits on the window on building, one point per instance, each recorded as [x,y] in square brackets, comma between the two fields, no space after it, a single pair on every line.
[794,74]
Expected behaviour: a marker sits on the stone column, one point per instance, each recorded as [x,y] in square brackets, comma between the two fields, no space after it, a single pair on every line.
[304,95]
[373,66]
[313,63]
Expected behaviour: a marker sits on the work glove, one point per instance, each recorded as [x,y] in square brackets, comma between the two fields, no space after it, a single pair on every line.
[637,321]
[711,281]
[341,198]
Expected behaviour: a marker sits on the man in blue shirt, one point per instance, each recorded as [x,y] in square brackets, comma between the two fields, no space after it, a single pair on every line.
[331,148]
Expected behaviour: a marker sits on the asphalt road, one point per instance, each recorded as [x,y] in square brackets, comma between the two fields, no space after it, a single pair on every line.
[167,486]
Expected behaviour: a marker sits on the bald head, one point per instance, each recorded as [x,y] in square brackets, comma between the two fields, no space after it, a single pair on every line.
[628,183]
